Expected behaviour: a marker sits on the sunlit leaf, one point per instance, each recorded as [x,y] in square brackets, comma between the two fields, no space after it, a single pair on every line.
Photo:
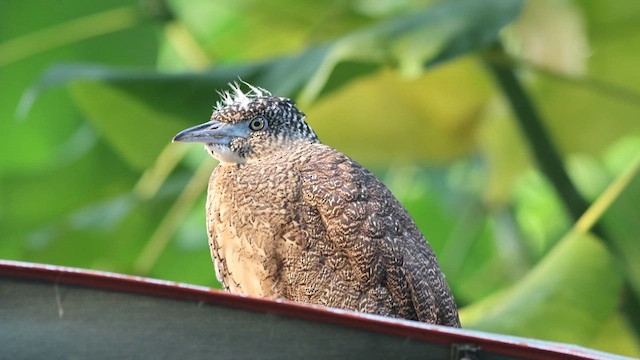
[617,335]
[566,297]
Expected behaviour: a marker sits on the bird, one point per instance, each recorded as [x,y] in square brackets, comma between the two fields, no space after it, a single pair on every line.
[289,217]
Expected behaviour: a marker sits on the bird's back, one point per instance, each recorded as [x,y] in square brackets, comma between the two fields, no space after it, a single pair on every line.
[309,224]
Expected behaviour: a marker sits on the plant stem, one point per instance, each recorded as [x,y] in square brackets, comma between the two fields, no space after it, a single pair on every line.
[544,150]
[608,197]
[160,238]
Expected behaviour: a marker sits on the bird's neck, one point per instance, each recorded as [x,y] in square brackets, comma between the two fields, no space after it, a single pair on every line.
[283,150]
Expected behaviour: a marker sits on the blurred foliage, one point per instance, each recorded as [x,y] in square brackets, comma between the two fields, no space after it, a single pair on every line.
[94,91]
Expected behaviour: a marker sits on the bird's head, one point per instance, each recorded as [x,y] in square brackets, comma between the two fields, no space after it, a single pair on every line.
[247,126]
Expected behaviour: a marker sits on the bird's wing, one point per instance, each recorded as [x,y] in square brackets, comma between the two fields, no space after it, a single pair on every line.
[364,220]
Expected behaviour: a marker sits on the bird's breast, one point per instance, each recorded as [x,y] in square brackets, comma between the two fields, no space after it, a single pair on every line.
[249,215]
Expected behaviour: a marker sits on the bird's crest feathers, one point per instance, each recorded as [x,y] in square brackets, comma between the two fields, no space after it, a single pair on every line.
[236,96]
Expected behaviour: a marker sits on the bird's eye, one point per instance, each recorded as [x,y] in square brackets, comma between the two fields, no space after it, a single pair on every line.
[257,124]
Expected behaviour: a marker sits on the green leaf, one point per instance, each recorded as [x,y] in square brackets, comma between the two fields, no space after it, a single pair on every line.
[157,103]
[135,130]
[566,297]
[437,34]
[617,336]
[621,218]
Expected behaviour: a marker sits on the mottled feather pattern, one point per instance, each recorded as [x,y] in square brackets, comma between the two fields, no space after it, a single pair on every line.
[298,220]
[329,232]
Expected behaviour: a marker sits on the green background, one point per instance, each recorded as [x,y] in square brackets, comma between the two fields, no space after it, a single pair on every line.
[92,93]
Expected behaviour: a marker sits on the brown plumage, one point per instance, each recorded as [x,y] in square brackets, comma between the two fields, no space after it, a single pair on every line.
[289,217]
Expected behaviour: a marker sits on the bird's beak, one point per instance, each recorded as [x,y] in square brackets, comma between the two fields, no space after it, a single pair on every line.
[213,132]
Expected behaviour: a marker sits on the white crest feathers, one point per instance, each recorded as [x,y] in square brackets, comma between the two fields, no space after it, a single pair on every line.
[236,96]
